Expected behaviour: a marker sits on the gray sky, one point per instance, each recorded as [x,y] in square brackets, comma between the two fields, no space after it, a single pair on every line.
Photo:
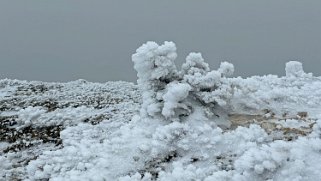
[64,40]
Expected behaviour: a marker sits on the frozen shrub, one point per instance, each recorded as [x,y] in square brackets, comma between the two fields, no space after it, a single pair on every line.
[197,73]
[175,94]
[294,69]
[195,64]
[155,69]
[209,87]
[170,93]
[226,69]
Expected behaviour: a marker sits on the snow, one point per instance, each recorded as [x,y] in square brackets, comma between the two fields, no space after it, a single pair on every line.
[121,131]
[154,65]
[294,69]
[176,92]
[278,94]
[293,123]
[226,69]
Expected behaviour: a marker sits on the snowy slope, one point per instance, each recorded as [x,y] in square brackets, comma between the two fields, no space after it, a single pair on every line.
[90,131]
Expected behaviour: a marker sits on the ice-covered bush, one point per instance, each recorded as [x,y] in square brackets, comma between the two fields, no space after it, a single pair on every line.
[295,69]
[197,73]
[212,87]
[171,93]
[173,97]
[155,69]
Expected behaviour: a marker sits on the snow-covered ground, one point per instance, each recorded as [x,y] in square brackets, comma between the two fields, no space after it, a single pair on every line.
[91,131]
[175,124]
[34,116]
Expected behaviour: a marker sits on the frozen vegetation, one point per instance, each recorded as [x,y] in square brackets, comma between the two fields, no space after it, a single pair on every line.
[187,123]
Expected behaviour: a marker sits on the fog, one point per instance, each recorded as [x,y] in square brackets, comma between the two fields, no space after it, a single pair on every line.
[65,40]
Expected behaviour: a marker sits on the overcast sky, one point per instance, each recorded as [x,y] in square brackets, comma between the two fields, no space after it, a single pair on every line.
[63,40]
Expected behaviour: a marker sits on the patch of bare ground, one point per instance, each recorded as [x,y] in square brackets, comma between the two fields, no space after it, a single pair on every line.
[273,126]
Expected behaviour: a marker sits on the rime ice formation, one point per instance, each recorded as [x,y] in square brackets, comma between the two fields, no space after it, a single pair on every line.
[294,69]
[188,123]
[171,93]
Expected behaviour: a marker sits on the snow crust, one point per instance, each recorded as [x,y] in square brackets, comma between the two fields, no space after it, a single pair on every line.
[122,131]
